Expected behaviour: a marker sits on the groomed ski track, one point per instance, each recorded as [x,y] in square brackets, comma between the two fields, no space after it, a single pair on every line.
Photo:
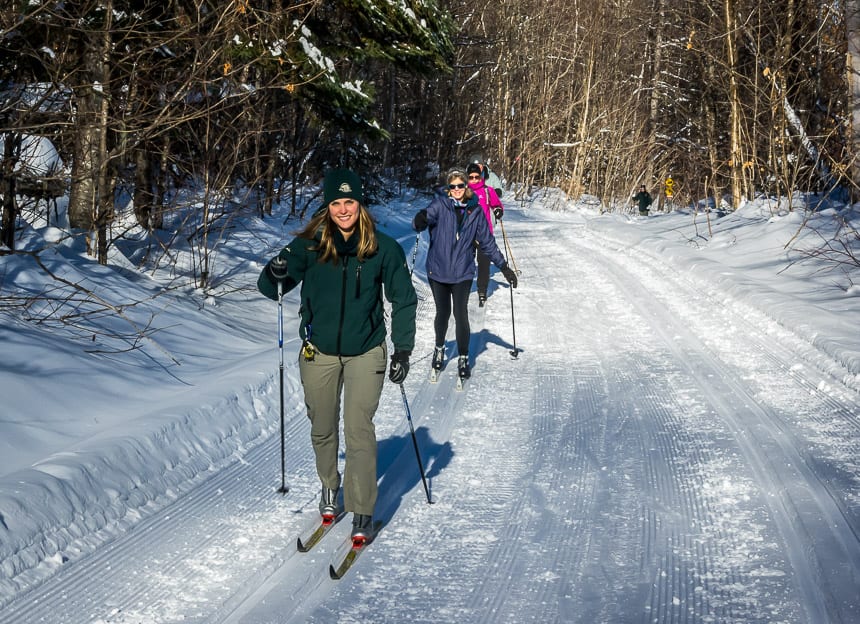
[659,456]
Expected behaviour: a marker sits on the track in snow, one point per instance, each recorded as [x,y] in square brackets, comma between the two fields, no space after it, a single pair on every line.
[650,457]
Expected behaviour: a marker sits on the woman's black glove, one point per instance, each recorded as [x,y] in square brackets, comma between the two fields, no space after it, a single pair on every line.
[277,271]
[420,221]
[509,275]
[399,367]
[498,212]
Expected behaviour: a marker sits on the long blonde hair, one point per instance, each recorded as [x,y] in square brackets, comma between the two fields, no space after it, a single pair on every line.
[321,223]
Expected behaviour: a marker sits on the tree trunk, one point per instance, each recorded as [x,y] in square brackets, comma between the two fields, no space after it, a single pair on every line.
[853,36]
[90,202]
[11,149]
[144,198]
[656,80]
[736,159]
[583,143]
[106,179]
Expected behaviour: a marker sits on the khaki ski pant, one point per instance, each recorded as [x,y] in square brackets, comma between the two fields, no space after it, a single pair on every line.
[359,379]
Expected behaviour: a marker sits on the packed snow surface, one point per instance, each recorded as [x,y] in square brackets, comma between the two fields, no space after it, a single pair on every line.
[677,439]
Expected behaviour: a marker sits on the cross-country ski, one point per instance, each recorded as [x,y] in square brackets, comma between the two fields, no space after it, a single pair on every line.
[320,530]
[348,553]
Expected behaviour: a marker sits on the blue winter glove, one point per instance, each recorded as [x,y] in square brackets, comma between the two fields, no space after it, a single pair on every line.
[399,367]
[509,275]
[420,221]
[277,271]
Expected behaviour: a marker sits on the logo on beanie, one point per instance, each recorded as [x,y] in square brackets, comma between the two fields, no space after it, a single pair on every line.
[341,183]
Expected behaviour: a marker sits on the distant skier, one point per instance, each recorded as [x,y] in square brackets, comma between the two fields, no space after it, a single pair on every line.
[492,207]
[490,177]
[343,263]
[643,198]
[456,222]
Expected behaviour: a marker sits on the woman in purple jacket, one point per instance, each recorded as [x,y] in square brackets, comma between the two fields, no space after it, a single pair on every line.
[456,223]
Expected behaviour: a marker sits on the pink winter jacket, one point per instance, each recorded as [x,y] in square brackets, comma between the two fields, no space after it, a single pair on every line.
[488,199]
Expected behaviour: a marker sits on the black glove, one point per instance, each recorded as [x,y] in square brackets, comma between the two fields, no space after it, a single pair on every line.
[420,221]
[277,270]
[498,212]
[509,275]
[399,367]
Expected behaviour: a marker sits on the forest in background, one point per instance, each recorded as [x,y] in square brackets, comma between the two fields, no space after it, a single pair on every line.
[247,103]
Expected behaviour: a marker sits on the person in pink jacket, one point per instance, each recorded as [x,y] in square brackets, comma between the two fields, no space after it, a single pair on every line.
[492,207]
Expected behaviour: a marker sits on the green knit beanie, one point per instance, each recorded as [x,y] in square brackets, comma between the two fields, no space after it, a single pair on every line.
[341,183]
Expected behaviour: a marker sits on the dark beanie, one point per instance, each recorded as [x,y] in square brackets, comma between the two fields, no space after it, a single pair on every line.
[341,183]
[474,168]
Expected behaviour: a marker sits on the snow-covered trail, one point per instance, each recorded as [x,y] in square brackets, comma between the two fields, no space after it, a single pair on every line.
[655,454]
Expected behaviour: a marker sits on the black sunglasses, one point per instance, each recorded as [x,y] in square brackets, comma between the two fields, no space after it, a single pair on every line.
[456,186]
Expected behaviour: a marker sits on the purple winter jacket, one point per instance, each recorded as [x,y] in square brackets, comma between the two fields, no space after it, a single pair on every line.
[451,256]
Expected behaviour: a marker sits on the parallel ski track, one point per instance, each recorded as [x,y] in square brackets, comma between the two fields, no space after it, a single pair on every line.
[777,348]
[443,411]
[800,504]
[157,566]
[399,485]
[628,421]
[628,442]
[511,570]
[691,580]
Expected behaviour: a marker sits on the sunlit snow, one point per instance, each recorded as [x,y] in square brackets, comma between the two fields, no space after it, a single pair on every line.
[677,439]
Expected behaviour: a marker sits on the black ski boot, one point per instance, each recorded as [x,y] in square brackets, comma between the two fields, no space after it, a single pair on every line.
[438,358]
[463,370]
[362,528]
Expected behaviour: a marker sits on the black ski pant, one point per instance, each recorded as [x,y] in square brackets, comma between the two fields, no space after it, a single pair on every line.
[483,271]
[445,295]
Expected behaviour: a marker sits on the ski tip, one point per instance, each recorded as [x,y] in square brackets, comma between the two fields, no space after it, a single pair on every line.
[333,573]
[299,546]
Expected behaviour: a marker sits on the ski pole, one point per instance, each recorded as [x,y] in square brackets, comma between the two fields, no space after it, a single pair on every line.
[415,253]
[508,250]
[283,489]
[515,352]
[415,444]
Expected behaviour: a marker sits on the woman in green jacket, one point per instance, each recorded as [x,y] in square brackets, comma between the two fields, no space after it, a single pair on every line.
[344,266]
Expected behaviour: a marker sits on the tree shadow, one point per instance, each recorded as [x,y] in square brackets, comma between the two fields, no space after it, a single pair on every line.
[398,472]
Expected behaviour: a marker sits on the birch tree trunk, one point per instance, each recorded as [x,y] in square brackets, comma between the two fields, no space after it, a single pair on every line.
[736,159]
[656,91]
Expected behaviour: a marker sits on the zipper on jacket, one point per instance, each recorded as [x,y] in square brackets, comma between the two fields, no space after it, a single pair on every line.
[358,281]
[342,303]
